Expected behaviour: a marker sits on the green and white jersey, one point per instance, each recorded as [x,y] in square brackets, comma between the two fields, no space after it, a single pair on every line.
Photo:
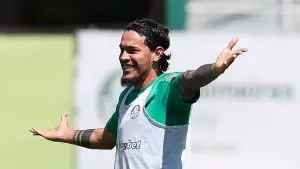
[151,126]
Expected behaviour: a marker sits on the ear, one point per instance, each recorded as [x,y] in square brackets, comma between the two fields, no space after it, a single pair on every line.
[157,53]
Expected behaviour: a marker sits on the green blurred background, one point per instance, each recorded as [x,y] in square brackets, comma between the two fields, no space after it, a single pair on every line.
[36,88]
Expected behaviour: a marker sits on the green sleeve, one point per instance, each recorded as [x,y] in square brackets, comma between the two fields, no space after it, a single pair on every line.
[178,111]
[176,93]
[112,124]
[165,104]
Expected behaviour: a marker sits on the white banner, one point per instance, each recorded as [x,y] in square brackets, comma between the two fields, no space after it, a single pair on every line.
[247,119]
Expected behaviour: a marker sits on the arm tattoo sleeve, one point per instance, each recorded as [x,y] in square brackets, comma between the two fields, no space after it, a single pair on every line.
[198,78]
[82,137]
[192,80]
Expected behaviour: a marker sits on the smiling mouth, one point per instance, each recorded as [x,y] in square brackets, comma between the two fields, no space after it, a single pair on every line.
[126,67]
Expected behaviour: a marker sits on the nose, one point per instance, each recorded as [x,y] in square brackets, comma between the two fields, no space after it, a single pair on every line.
[124,56]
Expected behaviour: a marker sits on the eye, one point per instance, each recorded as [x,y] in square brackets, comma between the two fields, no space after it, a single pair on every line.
[132,51]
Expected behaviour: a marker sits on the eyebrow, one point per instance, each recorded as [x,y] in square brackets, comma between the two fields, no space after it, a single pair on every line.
[128,47]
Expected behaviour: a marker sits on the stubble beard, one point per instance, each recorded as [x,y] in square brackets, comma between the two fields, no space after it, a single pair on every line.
[135,80]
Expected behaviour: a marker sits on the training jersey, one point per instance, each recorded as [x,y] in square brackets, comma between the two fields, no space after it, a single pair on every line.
[151,126]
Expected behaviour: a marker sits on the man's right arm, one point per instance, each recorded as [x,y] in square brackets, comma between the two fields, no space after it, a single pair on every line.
[99,138]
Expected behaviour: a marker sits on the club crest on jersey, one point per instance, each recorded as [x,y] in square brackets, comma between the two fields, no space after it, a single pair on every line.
[135,112]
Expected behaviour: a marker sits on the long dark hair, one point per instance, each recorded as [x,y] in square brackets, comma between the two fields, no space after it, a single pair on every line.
[156,35]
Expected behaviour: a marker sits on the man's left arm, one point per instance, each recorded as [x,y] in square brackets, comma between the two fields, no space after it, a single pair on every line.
[191,81]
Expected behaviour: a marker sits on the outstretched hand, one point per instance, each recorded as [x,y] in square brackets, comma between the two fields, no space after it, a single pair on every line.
[227,56]
[57,133]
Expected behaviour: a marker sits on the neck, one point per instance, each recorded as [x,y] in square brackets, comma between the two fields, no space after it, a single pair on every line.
[152,75]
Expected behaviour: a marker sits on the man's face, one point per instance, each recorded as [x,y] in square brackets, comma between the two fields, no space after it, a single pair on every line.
[135,58]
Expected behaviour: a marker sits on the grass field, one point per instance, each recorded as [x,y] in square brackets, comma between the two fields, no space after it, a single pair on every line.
[36,88]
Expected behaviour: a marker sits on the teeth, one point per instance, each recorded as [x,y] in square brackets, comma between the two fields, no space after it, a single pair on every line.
[127,66]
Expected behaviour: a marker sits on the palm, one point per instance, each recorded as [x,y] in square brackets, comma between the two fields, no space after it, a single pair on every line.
[54,134]
[227,56]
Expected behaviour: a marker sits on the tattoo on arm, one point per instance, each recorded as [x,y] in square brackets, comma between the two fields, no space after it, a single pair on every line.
[198,78]
[191,81]
[82,137]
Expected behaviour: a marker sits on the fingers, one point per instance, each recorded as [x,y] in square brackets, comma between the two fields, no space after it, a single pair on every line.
[234,54]
[31,130]
[37,132]
[56,128]
[64,119]
[238,52]
[233,42]
[64,116]
[244,49]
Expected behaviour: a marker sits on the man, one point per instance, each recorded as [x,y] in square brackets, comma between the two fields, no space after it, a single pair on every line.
[150,125]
